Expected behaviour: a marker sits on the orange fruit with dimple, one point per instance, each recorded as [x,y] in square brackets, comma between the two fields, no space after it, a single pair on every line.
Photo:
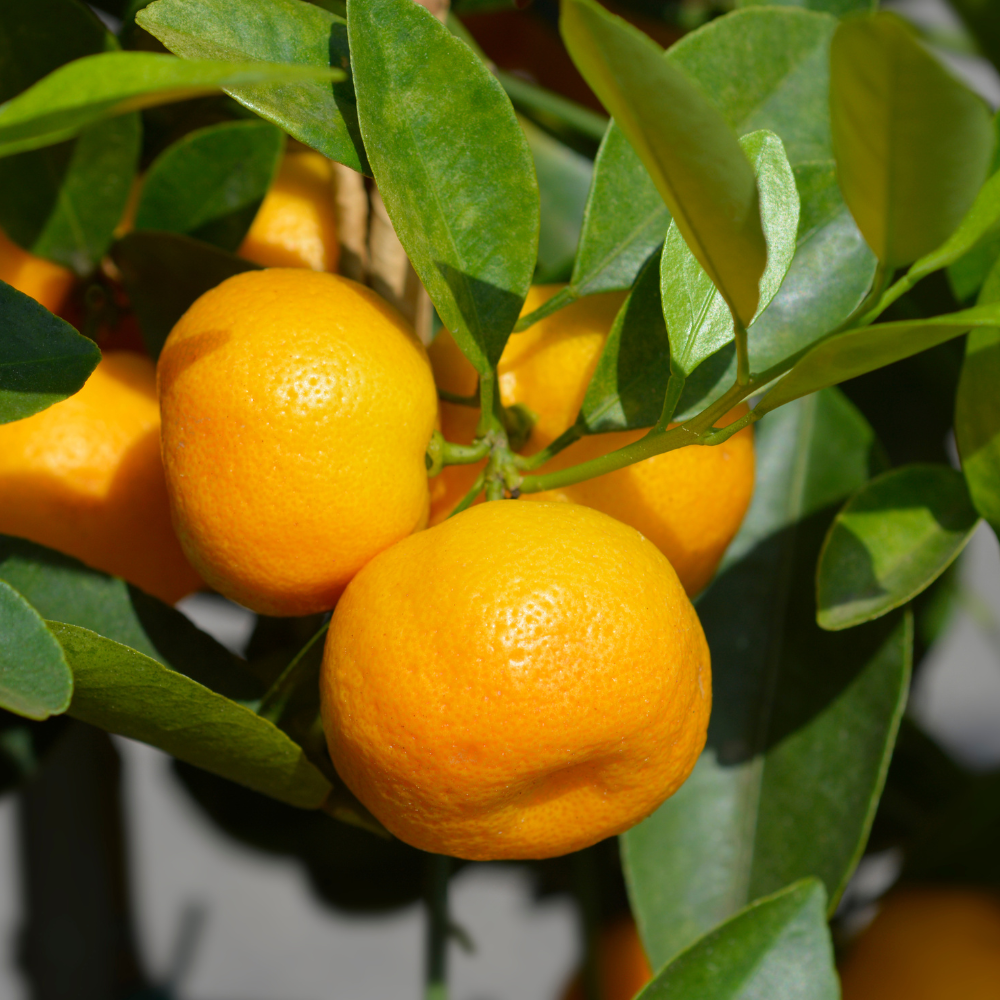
[521,681]
[927,943]
[85,477]
[297,408]
[296,224]
[623,968]
[689,502]
[46,282]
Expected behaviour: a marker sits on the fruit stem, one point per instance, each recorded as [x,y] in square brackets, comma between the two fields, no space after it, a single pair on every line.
[742,351]
[524,463]
[470,497]
[564,297]
[272,705]
[438,927]
[457,400]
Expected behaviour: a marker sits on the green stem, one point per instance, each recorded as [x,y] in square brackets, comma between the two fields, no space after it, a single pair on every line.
[675,386]
[464,454]
[568,437]
[564,297]
[487,393]
[453,397]
[470,497]
[742,352]
[438,925]
[895,291]
[273,703]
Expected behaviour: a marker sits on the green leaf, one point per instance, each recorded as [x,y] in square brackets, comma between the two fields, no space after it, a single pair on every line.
[273,31]
[70,196]
[35,680]
[776,78]
[61,588]
[91,89]
[803,720]
[123,691]
[627,388]
[839,8]
[453,168]
[890,542]
[696,313]
[830,274]
[164,273]
[778,948]
[684,142]
[563,183]
[210,183]
[43,359]
[912,143]
[854,352]
[977,411]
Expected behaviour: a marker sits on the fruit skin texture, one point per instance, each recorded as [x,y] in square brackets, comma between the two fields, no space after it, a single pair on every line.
[623,966]
[296,224]
[689,502]
[521,681]
[85,477]
[927,943]
[46,282]
[297,407]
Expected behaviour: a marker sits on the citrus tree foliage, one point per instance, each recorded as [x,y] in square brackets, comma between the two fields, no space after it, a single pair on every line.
[769,192]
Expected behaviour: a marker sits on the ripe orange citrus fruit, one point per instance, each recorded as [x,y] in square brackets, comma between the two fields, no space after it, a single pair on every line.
[296,225]
[297,408]
[689,502]
[927,943]
[46,282]
[520,681]
[85,477]
[623,968]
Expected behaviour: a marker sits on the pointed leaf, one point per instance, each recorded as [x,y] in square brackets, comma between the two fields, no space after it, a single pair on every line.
[697,316]
[829,277]
[273,31]
[210,183]
[42,358]
[35,680]
[123,691]
[778,948]
[453,168]
[803,720]
[977,411]
[164,273]
[912,143]
[890,542]
[684,142]
[70,196]
[839,8]
[63,589]
[88,90]
[776,77]
[847,355]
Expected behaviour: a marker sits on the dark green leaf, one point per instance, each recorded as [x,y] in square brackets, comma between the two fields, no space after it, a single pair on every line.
[24,744]
[453,168]
[164,273]
[35,680]
[855,352]
[71,196]
[890,542]
[778,948]
[43,359]
[977,411]
[123,691]
[274,31]
[563,182]
[628,385]
[829,277]
[912,143]
[91,89]
[62,589]
[803,720]
[684,142]
[210,183]
[697,316]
